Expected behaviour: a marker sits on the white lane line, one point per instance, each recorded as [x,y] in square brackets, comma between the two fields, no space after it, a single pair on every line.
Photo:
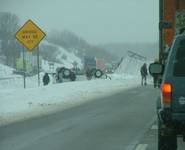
[142,147]
[154,127]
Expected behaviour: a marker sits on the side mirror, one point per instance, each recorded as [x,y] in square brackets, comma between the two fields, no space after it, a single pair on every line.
[156,68]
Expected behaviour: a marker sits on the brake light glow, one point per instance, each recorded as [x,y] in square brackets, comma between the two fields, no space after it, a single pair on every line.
[166,93]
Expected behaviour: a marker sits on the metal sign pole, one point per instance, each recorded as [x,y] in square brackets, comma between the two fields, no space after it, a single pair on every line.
[24,67]
[30,36]
[38,65]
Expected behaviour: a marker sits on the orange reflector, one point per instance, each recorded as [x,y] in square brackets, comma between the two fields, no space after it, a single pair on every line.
[167,93]
[166,88]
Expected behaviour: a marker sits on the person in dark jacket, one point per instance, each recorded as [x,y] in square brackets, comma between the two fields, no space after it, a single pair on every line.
[46,79]
[88,73]
[144,74]
[156,77]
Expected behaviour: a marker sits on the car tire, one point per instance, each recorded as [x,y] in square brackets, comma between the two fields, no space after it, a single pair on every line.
[92,71]
[98,73]
[59,74]
[72,76]
[166,142]
[66,73]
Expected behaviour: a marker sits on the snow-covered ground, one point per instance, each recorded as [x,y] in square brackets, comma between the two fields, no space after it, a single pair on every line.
[70,57]
[19,104]
[7,72]
[8,80]
[131,66]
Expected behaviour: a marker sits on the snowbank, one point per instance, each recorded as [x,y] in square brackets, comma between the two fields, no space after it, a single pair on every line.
[7,72]
[8,80]
[20,104]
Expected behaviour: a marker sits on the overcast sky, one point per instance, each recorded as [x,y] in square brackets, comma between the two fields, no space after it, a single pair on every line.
[97,21]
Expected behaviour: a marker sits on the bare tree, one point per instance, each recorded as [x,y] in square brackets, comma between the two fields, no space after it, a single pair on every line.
[9,24]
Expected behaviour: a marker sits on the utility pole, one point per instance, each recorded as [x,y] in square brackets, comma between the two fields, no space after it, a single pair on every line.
[161,12]
[38,65]
[24,67]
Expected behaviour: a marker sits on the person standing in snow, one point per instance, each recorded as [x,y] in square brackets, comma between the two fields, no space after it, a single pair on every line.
[88,73]
[54,77]
[156,77]
[46,79]
[144,74]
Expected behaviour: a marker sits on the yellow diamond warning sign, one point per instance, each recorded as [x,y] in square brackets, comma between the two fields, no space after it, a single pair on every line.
[30,35]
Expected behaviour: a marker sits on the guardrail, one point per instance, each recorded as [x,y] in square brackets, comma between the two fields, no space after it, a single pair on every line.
[8,78]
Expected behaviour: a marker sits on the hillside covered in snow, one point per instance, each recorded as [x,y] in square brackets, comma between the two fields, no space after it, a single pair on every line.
[62,56]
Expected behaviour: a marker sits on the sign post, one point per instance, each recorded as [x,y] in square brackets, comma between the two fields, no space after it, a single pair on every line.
[24,66]
[30,35]
[38,65]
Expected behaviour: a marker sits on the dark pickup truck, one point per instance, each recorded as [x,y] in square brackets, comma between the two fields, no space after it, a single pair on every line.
[171,102]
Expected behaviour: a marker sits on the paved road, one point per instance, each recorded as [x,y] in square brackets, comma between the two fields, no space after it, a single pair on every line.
[150,139]
[117,122]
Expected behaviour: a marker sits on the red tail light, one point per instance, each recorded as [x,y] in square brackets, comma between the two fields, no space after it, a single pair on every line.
[166,93]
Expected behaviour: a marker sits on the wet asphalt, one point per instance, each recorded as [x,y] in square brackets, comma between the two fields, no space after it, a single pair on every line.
[117,122]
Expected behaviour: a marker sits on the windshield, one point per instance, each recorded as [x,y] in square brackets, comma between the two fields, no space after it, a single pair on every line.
[180,60]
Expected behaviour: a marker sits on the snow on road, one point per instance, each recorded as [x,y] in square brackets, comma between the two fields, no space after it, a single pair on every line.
[19,104]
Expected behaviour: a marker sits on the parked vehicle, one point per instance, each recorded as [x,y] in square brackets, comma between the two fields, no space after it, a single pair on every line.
[101,64]
[89,63]
[171,104]
[65,74]
[93,67]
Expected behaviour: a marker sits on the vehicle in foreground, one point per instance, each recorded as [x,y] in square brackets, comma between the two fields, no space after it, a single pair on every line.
[171,103]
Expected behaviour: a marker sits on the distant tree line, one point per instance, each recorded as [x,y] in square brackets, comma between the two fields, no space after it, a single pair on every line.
[78,45]
[10,49]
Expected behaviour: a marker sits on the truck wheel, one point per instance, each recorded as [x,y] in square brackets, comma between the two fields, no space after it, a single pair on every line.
[166,142]
[72,76]
[66,73]
[98,73]
[93,71]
